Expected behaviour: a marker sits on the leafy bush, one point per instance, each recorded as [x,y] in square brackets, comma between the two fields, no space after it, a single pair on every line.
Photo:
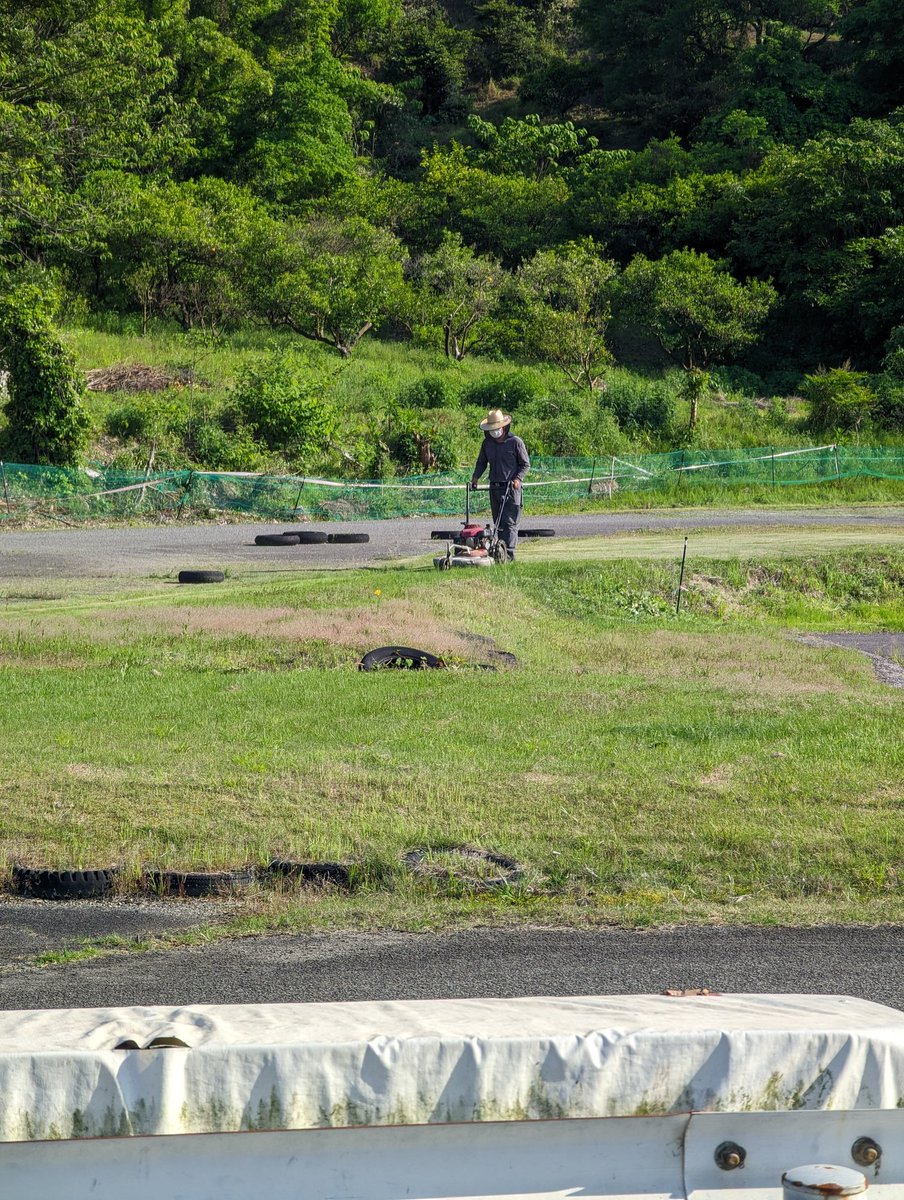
[219,449]
[147,417]
[640,404]
[889,406]
[419,447]
[737,379]
[508,390]
[285,405]
[839,399]
[47,421]
[430,391]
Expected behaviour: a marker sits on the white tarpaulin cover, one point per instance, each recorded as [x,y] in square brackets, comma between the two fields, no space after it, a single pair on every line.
[307,1066]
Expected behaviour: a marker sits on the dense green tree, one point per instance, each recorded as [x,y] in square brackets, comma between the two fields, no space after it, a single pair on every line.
[565,299]
[876,32]
[329,280]
[797,216]
[455,291]
[427,58]
[696,310]
[670,65]
[529,147]
[510,215]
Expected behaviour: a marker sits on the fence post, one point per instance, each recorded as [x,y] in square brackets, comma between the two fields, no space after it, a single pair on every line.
[837,468]
[5,488]
[681,468]
[184,496]
[592,473]
[772,448]
[298,499]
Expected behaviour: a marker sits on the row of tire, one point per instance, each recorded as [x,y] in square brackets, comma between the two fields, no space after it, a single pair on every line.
[310,537]
[41,884]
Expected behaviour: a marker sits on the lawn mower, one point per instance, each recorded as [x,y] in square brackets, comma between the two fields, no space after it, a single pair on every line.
[473,545]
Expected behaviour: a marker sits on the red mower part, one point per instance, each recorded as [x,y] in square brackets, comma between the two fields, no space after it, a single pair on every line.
[471,531]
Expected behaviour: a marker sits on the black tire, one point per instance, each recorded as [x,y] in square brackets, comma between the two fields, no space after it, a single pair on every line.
[347,539]
[197,883]
[536,533]
[510,870]
[308,537]
[201,576]
[444,535]
[311,872]
[399,658]
[276,539]
[62,885]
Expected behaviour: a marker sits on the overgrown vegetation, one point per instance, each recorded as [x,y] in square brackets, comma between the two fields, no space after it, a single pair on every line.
[498,180]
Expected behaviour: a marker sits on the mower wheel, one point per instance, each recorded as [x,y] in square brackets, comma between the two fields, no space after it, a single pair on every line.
[308,537]
[347,539]
[399,658]
[276,539]
[536,533]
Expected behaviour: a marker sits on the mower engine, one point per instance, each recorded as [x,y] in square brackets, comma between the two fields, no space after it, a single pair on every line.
[474,546]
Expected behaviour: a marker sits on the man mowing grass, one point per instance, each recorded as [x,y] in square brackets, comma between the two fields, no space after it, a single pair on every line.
[506,456]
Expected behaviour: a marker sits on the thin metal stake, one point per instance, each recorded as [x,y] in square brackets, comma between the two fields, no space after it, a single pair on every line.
[592,473]
[772,448]
[681,578]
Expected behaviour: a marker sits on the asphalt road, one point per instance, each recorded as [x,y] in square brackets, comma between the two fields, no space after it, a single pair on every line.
[862,961]
[161,549]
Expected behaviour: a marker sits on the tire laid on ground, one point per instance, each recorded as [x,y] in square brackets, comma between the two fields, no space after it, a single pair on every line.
[510,870]
[347,539]
[201,576]
[444,535]
[197,883]
[307,537]
[536,533]
[311,872]
[62,885]
[277,539]
[399,658]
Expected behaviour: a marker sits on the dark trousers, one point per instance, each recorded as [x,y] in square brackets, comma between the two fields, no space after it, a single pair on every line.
[510,518]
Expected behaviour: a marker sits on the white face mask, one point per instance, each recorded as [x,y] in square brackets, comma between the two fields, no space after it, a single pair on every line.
[495,432]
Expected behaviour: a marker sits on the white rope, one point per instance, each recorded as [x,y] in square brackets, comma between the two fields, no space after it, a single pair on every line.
[733,462]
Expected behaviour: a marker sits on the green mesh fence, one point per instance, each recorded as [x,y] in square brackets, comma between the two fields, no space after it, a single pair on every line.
[105,492]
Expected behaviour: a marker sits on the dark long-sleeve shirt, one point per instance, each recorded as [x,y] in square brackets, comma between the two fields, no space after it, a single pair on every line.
[506,457]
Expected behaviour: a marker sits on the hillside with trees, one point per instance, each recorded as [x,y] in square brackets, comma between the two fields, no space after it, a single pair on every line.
[548,194]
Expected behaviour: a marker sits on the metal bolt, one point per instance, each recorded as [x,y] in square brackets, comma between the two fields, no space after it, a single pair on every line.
[729,1156]
[865,1152]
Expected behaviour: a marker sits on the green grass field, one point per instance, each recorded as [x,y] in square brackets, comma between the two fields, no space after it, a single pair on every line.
[645,767]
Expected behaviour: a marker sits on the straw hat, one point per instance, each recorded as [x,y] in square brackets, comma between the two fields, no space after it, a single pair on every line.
[496,419]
